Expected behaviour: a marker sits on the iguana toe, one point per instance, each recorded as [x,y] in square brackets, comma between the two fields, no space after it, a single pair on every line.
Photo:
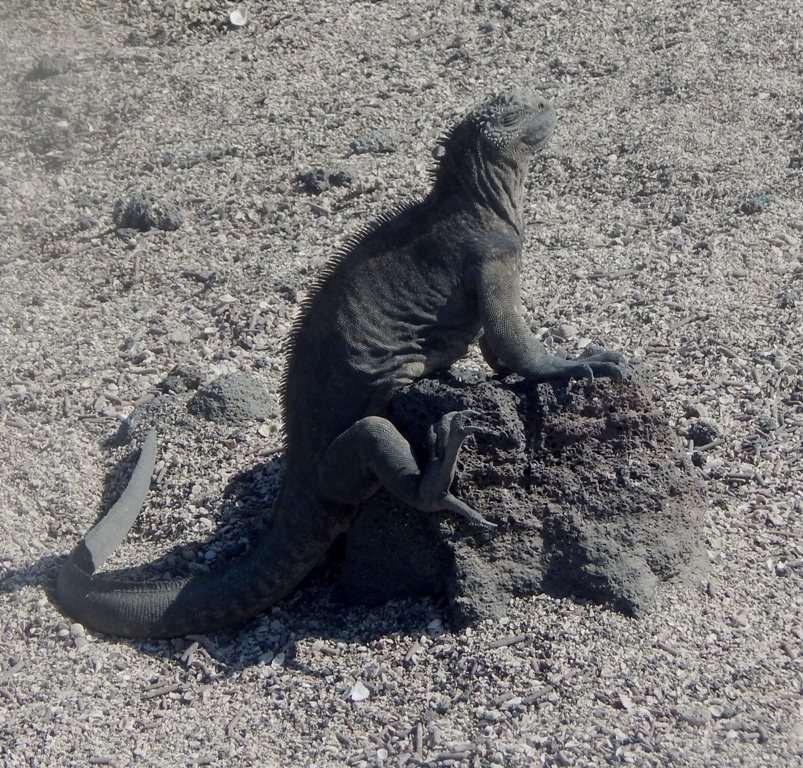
[600,354]
[447,434]
[598,361]
[453,504]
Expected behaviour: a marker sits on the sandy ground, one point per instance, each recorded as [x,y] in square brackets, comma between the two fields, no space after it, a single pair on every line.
[665,220]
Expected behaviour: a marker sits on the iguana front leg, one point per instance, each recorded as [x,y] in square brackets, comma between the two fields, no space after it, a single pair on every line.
[508,345]
[373,453]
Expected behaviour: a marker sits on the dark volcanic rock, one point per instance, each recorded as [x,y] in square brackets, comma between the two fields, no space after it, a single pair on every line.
[378,141]
[181,379]
[320,179]
[234,398]
[145,212]
[50,65]
[588,485]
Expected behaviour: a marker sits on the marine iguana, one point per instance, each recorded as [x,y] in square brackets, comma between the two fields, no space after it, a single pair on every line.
[405,298]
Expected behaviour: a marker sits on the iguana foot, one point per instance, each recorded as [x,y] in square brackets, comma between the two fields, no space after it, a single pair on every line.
[444,440]
[593,361]
[445,436]
[600,354]
[373,453]
[603,362]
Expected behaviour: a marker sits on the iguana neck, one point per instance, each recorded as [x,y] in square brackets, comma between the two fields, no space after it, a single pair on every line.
[497,186]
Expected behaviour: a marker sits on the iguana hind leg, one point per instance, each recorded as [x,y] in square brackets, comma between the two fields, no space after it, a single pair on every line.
[373,453]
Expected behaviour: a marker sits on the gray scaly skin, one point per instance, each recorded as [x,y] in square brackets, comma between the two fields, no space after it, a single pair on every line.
[406,298]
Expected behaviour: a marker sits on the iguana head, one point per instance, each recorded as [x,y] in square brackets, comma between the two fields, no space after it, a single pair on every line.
[512,124]
[486,156]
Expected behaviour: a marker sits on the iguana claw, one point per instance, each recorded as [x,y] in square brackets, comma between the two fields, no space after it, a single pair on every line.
[455,505]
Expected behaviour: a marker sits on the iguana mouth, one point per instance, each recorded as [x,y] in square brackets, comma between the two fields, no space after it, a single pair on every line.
[541,127]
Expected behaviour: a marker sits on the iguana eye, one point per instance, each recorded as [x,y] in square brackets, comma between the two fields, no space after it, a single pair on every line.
[509,119]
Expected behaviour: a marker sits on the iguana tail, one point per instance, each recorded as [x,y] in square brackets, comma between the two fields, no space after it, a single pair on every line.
[287,551]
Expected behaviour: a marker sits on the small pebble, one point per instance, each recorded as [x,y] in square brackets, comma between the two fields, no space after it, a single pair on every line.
[376,142]
[696,715]
[703,431]
[179,336]
[359,692]
[51,65]
[565,331]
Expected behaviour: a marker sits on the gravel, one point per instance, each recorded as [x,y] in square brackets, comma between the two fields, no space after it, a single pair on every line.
[665,219]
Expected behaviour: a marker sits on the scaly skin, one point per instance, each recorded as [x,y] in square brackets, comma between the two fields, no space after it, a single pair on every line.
[406,298]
